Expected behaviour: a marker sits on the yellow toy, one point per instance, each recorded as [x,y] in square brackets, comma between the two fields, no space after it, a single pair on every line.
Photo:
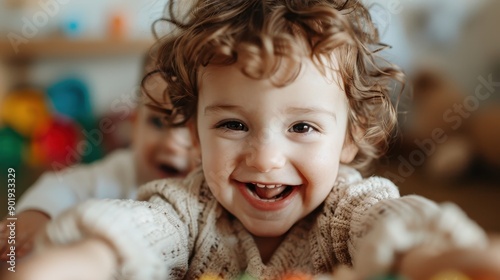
[24,111]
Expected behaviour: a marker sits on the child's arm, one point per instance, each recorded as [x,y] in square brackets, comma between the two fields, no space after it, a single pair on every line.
[415,237]
[376,230]
[27,225]
[49,196]
[148,240]
[424,262]
[55,192]
[89,259]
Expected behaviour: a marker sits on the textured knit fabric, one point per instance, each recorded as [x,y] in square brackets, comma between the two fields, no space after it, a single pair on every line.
[112,177]
[182,232]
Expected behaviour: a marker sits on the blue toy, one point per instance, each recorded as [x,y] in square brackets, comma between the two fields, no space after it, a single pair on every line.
[70,98]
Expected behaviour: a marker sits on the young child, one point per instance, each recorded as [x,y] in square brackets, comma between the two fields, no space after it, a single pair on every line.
[284,98]
[157,151]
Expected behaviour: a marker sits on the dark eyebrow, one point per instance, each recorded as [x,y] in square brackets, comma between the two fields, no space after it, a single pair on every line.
[158,109]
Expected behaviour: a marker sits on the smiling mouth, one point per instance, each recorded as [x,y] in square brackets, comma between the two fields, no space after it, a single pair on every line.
[269,193]
[171,171]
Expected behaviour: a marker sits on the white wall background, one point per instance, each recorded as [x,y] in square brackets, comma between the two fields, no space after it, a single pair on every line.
[108,77]
[465,53]
[92,14]
[459,37]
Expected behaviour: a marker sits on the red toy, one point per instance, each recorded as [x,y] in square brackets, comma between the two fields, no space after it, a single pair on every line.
[58,144]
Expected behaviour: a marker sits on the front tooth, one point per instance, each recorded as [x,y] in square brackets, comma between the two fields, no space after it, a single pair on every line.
[260,185]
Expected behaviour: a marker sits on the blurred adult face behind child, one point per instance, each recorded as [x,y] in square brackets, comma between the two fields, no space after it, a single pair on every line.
[160,150]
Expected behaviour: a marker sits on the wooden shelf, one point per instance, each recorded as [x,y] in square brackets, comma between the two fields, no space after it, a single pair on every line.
[38,48]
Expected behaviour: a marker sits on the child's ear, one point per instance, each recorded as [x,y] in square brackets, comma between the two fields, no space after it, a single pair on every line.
[350,149]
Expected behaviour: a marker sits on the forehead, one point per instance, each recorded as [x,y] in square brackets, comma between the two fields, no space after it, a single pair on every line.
[155,92]
[287,73]
[227,87]
[155,85]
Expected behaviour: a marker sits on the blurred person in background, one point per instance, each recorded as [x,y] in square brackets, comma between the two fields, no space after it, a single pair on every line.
[158,150]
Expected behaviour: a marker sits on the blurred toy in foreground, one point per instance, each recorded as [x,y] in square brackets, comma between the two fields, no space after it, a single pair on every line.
[346,273]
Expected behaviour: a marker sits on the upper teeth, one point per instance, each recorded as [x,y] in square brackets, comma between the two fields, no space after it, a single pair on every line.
[267,186]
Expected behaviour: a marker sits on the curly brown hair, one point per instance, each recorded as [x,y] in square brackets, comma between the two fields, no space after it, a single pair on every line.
[261,33]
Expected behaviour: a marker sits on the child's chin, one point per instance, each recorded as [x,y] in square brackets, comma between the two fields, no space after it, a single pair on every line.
[268,230]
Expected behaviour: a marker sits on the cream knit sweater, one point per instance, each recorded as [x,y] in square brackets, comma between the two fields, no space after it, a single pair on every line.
[182,232]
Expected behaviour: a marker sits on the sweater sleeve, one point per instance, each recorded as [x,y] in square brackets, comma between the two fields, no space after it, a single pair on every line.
[148,238]
[399,225]
[54,192]
[372,224]
[350,223]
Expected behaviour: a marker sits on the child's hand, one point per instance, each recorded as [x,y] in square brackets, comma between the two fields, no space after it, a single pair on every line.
[424,263]
[28,223]
[91,259]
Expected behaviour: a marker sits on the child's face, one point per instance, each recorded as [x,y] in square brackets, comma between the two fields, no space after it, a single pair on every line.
[271,154]
[160,151]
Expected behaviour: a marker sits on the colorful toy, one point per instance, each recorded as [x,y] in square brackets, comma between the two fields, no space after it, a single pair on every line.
[349,274]
[24,110]
[296,276]
[450,275]
[388,277]
[12,148]
[245,276]
[210,276]
[58,144]
[4,78]
[38,136]
[118,25]
[72,27]
[70,97]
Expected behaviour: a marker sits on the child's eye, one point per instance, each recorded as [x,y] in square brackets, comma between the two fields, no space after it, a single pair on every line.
[233,125]
[302,128]
[157,122]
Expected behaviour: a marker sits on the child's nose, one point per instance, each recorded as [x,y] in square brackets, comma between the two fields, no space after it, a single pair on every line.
[265,156]
[176,140]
